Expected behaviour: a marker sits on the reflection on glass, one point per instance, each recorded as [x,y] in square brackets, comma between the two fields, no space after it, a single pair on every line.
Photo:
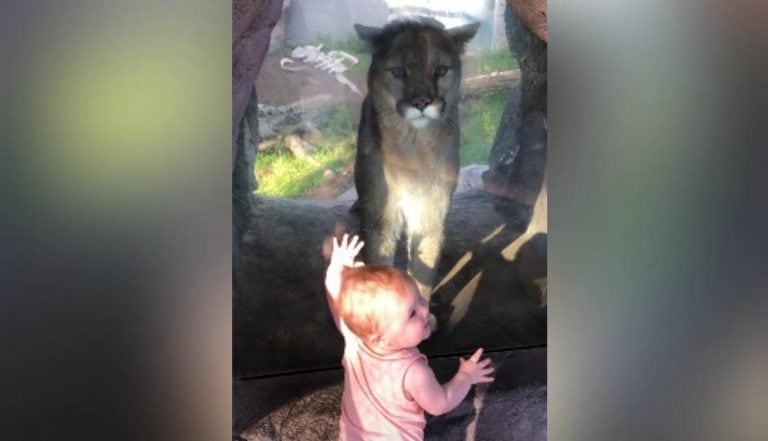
[310,92]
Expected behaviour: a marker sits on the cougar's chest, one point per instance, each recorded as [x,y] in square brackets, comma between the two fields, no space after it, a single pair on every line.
[418,155]
[421,167]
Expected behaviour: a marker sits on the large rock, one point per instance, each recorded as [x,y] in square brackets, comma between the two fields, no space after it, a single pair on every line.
[519,153]
[280,307]
[252,23]
[533,15]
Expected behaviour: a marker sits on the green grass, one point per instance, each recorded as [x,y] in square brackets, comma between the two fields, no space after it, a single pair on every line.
[341,124]
[479,122]
[353,46]
[490,61]
[281,174]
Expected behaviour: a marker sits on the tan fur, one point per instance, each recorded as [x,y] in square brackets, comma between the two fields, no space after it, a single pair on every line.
[405,175]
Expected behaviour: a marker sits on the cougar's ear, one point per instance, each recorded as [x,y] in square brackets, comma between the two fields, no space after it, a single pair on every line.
[367,33]
[462,34]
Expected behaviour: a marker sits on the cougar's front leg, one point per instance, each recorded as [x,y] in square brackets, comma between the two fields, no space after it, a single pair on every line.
[381,229]
[425,252]
[425,243]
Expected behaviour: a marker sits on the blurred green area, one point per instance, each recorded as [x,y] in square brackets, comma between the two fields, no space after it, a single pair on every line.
[480,119]
[484,62]
[120,115]
[281,174]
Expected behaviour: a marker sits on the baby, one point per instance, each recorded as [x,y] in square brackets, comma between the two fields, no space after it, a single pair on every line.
[387,382]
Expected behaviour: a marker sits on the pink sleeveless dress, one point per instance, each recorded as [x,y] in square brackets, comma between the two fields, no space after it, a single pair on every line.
[375,405]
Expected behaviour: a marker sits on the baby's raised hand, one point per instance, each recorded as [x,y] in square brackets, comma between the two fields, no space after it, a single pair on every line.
[477,371]
[344,253]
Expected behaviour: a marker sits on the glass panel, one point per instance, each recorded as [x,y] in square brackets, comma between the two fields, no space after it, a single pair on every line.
[490,282]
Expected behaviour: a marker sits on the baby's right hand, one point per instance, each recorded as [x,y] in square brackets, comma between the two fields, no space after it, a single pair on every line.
[477,371]
[344,253]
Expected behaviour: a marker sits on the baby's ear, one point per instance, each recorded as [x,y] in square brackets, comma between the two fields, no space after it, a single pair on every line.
[462,34]
[376,339]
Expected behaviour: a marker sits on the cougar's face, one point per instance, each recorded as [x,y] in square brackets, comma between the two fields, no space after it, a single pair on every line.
[419,76]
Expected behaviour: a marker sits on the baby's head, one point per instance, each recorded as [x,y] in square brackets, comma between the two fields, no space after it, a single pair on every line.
[382,306]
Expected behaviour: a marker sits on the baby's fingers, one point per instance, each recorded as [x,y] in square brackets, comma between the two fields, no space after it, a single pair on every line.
[484,363]
[356,245]
[344,240]
[476,356]
[486,371]
[340,244]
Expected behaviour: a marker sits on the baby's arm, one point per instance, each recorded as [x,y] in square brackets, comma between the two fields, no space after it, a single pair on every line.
[343,256]
[436,399]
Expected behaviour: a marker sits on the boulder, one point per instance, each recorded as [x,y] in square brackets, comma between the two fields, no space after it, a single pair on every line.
[519,154]
[482,297]
[533,15]
[252,23]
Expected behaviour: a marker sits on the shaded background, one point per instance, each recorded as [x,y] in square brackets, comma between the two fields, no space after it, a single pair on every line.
[115,254]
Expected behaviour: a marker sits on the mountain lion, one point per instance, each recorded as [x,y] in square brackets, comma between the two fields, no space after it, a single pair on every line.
[408,141]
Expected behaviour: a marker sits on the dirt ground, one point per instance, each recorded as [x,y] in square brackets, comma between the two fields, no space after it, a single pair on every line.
[335,184]
[277,87]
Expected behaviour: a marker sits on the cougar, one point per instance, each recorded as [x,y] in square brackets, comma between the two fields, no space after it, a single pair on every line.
[407,160]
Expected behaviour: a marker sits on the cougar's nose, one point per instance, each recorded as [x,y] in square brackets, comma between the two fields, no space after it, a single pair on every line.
[421,103]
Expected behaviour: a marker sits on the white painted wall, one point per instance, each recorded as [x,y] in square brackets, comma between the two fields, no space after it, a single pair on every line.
[306,20]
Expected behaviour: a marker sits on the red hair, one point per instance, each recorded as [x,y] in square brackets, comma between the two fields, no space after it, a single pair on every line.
[367,293]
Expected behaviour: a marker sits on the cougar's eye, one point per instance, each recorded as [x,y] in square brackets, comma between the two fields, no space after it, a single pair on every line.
[398,72]
[441,70]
